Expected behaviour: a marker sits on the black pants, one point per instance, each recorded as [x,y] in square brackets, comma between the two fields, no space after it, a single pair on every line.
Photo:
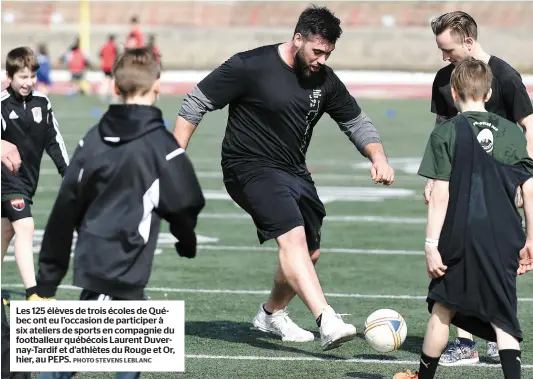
[89,295]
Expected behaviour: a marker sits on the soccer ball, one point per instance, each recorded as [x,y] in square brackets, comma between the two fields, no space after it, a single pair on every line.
[385,330]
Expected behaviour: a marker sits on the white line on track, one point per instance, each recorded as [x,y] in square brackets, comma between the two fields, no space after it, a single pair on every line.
[335,250]
[318,359]
[263,292]
[341,219]
[347,218]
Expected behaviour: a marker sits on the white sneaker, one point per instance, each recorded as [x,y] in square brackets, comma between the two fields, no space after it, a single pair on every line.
[334,331]
[279,323]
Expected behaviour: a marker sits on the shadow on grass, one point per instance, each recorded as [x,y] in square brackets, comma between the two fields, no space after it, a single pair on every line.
[242,333]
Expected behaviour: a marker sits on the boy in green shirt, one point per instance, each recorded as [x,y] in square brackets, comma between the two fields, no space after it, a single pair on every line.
[475,244]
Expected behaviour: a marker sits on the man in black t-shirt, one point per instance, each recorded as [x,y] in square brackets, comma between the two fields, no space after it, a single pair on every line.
[276,95]
[456,37]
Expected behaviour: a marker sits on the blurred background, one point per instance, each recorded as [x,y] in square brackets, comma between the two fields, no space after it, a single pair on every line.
[378,35]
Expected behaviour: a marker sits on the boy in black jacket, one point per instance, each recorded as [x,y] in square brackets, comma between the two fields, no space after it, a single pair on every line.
[29,123]
[127,174]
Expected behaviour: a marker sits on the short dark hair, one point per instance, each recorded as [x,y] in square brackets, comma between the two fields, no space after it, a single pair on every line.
[319,21]
[20,58]
[135,71]
[461,24]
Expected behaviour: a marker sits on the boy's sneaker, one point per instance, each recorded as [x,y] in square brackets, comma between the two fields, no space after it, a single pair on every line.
[492,350]
[279,323]
[333,330]
[458,353]
[406,375]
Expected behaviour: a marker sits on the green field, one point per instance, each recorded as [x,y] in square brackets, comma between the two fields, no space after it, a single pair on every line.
[372,255]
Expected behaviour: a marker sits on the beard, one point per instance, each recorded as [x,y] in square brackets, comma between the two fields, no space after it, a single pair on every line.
[301,67]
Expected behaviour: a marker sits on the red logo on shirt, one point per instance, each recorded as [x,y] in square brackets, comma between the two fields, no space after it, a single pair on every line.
[18,204]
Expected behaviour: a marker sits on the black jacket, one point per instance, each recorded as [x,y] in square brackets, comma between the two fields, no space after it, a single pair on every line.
[126,174]
[29,123]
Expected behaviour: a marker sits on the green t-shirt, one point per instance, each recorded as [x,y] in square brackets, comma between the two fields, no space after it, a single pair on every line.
[499,137]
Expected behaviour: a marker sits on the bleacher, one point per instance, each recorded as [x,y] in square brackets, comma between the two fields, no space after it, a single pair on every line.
[378,35]
[262,14]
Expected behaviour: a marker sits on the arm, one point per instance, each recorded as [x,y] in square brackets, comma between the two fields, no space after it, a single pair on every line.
[194,107]
[527,124]
[55,146]
[10,156]
[56,245]
[438,204]
[526,254]
[436,166]
[180,201]
[429,184]
[359,129]
[363,134]
[438,102]
[215,91]
[365,137]
[352,121]
[518,105]
[436,163]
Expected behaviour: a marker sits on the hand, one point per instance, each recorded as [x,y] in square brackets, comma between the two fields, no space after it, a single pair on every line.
[381,172]
[10,156]
[434,264]
[526,258]
[186,247]
[427,191]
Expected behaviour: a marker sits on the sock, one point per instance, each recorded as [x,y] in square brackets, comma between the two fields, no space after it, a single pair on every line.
[319,320]
[465,341]
[31,291]
[511,364]
[267,312]
[428,366]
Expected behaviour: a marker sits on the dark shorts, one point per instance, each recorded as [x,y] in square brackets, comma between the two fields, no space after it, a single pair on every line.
[78,76]
[277,201]
[108,73]
[16,209]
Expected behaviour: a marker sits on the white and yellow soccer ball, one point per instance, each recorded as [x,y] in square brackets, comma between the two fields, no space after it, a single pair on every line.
[385,330]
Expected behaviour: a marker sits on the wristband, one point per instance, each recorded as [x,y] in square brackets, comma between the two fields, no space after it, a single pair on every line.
[432,242]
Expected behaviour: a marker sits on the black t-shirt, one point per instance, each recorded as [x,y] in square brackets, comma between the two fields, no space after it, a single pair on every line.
[509,98]
[272,111]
